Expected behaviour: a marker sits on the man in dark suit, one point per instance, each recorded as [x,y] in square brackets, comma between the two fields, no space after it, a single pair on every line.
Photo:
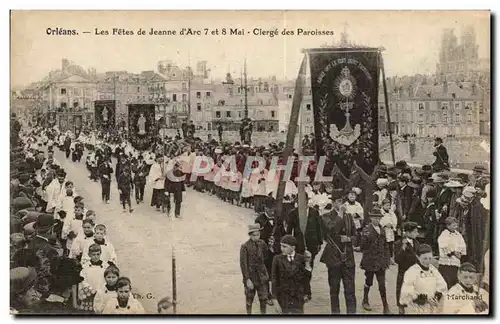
[290,276]
[255,276]
[441,162]
[105,172]
[405,255]
[266,221]
[338,254]
[174,184]
[406,194]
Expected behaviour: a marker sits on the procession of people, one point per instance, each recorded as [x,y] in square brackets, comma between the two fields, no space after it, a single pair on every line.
[430,223]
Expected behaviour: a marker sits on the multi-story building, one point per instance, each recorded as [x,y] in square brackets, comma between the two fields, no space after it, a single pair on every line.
[69,89]
[262,103]
[432,110]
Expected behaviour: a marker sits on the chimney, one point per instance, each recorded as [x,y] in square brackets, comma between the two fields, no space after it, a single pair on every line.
[410,91]
[65,65]
[445,86]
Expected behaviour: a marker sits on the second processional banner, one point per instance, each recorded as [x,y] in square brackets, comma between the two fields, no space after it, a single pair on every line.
[345,99]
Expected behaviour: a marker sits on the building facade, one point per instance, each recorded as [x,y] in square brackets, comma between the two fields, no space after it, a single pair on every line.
[432,110]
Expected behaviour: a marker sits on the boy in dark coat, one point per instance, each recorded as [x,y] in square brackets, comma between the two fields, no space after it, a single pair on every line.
[253,268]
[140,174]
[405,255]
[375,259]
[290,276]
[125,185]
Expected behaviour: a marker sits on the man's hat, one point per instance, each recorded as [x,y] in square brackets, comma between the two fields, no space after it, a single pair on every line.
[453,184]
[400,165]
[20,203]
[415,183]
[65,273]
[479,168]
[254,228]
[289,240]
[375,212]
[22,279]
[44,222]
[404,177]
[426,168]
[410,226]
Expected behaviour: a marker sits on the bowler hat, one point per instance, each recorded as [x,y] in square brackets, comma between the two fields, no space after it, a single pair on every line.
[21,203]
[375,212]
[44,222]
[410,226]
[65,273]
[479,168]
[289,240]
[254,228]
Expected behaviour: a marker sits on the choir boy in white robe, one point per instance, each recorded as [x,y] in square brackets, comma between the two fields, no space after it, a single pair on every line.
[123,304]
[108,291]
[423,286]
[451,248]
[108,253]
[466,298]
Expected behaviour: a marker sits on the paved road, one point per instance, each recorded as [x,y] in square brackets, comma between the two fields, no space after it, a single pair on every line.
[206,240]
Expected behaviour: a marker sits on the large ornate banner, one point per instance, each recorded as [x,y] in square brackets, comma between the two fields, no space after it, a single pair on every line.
[141,125]
[345,99]
[105,111]
[63,122]
[78,123]
[51,118]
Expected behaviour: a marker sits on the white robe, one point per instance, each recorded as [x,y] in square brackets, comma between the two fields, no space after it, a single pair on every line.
[156,177]
[53,191]
[458,301]
[418,281]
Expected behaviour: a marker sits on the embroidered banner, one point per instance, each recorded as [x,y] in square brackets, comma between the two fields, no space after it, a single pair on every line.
[77,123]
[345,99]
[63,122]
[141,125]
[105,111]
[51,119]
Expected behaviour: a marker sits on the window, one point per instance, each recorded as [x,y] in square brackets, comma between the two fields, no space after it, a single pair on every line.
[239,114]
[222,102]
[481,110]
[308,119]
[184,97]
[273,114]
[184,87]
[468,105]
[198,95]
[207,94]
[63,105]
[469,117]
[457,105]
[458,118]
[228,114]
[308,107]
[63,91]
[445,118]
[444,105]
[138,89]
[420,106]
[433,118]
[76,92]
[138,97]
[174,97]
[289,96]
[260,102]
[230,91]
[421,118]
[75,104]
[198,106]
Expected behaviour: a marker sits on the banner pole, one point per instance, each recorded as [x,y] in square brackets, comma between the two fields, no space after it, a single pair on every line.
[386,99]
[290,138]
[174,281]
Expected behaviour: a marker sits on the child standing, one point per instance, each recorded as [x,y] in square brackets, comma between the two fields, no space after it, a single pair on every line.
[82,239]
[108,291]
[246,193]
[125,185]
[108,253]
[405,255]
[93,277]
[423,286]
[389,222]
[123,303]
[291,273]
[451,248]
[375,259]
[355,210]
[465,297]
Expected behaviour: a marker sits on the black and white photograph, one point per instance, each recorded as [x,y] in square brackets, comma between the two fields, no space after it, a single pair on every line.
[250,163]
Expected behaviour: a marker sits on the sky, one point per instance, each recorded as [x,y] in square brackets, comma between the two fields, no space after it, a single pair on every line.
[411,39]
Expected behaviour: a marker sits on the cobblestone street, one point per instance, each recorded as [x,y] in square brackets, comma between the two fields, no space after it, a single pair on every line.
[207,240]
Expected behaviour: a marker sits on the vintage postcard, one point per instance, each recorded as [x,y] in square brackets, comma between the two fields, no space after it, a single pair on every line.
[250,162]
